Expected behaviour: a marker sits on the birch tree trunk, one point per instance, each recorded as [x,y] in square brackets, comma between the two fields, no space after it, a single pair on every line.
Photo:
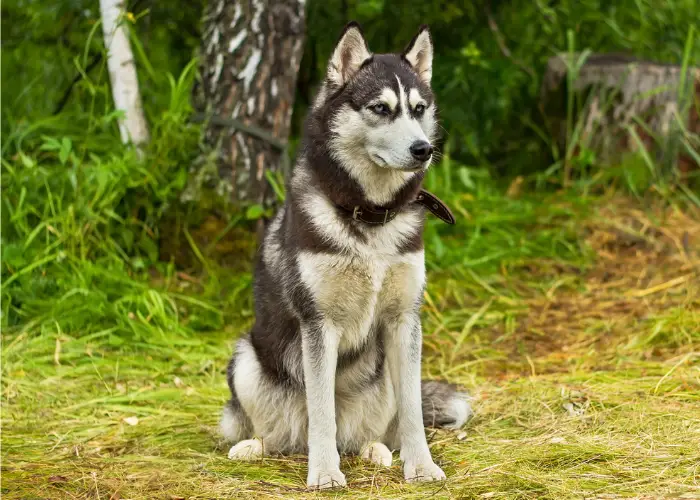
[122,73]
[250,56]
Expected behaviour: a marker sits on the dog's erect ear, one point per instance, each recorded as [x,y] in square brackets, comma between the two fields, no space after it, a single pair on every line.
[349,54]
[419,54]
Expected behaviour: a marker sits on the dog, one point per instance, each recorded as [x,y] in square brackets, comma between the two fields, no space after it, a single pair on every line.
[333,362]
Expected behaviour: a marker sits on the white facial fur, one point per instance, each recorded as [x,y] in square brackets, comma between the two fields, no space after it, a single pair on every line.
[375,149]
[388,141]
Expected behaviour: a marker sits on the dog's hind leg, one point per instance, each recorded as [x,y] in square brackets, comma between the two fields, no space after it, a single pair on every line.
[263,415]
[377,453]
[235,424]
[248,449]
[443,406]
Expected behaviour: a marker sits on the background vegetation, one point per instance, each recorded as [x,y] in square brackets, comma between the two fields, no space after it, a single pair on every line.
[489,101]
[571,314]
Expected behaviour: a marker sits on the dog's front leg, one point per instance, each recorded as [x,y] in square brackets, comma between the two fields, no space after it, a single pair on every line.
[320,352]
[404,357]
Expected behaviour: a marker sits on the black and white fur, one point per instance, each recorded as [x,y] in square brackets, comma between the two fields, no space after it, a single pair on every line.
[332,363]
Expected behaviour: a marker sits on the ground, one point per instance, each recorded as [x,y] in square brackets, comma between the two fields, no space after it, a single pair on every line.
[584,373]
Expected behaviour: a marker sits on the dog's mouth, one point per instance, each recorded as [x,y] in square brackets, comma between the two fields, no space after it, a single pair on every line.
[381,162]
[378,160]
[417,168]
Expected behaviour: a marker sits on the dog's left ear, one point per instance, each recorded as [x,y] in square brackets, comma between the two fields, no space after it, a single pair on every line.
[419,54]
[350,53]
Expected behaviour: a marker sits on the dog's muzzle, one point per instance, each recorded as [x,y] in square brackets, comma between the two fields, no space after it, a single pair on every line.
[421,150]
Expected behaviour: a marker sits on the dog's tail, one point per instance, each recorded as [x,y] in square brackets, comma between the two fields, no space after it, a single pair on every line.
[444,406]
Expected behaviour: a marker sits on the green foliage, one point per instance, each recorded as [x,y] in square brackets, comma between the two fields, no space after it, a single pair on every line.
[81,223]
[495,230]
[488,100]
[46,46]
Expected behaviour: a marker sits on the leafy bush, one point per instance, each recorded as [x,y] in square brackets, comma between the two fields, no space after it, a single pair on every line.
[81,222]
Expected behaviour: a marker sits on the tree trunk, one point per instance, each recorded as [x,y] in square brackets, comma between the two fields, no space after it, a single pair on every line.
[250,57]
[122,73]
[626,104]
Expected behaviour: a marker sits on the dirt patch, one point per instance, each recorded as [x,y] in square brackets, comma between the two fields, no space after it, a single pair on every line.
[645,265]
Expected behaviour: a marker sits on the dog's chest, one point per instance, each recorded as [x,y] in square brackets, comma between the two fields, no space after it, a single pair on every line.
[355,294]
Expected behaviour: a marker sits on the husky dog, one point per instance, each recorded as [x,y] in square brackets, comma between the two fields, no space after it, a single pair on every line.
[332,364]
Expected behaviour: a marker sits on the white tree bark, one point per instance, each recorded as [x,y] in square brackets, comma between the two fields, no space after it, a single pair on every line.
[250,56]
[122,73]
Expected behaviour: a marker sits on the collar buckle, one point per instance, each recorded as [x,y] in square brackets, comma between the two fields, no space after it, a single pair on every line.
[356,211]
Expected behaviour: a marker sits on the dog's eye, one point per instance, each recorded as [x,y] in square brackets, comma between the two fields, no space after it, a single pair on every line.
[380,109]
[419,109]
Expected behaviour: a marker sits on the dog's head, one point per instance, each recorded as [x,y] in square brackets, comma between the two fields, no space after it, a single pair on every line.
[380,106]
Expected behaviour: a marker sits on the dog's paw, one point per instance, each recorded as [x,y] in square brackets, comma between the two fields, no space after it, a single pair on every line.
[422,471]
[321,479]
[250,449]
[378,453]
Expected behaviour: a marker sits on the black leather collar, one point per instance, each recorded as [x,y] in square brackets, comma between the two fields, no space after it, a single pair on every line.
[380,216]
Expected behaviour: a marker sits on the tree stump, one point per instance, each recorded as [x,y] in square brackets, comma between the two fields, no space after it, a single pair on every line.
[623,104]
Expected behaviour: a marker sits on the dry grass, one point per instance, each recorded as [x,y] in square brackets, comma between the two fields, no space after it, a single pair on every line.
[586,383]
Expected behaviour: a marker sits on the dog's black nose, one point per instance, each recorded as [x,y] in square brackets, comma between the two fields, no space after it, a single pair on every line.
[421,150]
